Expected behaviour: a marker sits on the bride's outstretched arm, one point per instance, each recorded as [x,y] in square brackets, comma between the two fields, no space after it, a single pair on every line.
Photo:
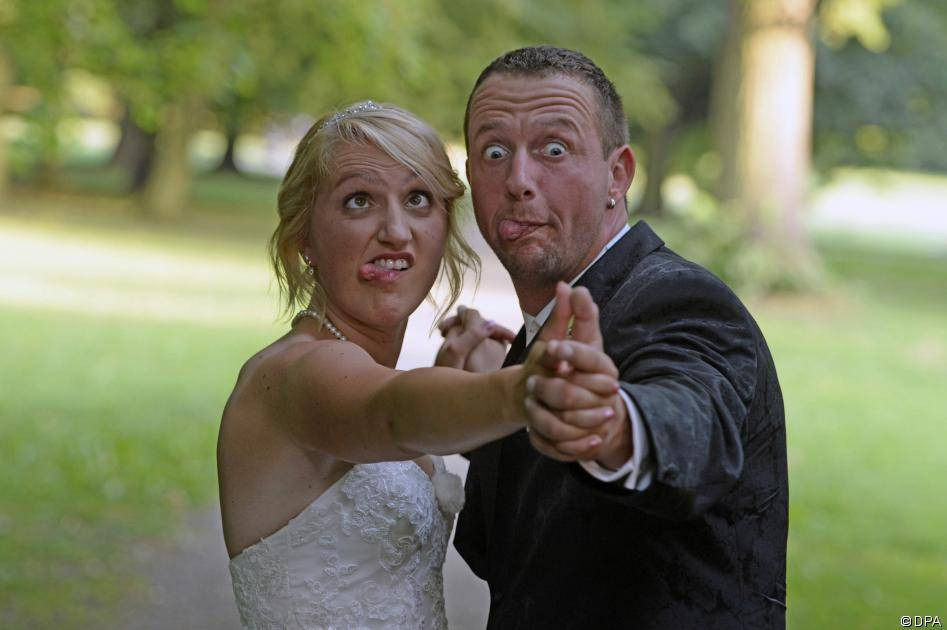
[334,398]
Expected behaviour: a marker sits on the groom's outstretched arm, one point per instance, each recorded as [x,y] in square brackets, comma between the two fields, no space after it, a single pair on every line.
[689,360]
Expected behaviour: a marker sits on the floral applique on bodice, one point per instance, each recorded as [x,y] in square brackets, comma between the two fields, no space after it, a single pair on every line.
[367,553]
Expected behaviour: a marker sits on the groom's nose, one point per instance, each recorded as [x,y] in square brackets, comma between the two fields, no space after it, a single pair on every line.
[519,180]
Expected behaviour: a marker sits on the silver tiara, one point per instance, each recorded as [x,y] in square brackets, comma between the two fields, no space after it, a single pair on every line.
[367,106]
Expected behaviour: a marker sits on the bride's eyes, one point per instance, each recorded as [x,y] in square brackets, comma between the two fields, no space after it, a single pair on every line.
[418,199]
[358,201]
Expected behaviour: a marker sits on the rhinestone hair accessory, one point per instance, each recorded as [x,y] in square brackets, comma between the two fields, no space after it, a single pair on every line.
[367,106]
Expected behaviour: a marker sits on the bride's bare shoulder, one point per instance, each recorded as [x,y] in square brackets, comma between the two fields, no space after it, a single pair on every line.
[280,356]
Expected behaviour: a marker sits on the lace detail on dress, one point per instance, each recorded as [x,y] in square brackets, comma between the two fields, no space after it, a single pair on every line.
[367,553]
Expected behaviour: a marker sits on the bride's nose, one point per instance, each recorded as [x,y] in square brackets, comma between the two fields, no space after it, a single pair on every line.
[394,229]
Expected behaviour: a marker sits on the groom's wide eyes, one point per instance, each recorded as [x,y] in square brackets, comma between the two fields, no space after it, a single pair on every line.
[494,152]
[554,149]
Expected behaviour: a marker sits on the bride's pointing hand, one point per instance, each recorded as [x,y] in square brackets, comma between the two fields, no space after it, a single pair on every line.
[472,343]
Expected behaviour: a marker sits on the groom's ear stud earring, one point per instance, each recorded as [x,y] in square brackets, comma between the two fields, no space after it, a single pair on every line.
[611,202]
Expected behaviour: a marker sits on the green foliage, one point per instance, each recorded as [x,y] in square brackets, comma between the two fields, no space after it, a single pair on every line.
[715,236]
[879,107]
[36,38]
[879,73]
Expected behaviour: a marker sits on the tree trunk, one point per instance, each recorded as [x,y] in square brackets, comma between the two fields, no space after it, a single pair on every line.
[227,164]
[48,168]
[167,188]
[5,82]
[659,151]
[135,152]
[762,109]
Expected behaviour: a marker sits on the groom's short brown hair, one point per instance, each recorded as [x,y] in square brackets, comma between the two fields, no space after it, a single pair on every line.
[545,61]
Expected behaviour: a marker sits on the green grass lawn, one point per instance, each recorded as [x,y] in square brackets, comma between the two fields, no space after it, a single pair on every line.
[113,383]
[863,377]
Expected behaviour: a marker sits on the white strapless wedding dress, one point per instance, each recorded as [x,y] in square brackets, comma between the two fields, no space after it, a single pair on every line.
[367,553]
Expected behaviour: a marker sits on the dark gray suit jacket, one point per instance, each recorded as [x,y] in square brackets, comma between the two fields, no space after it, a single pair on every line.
[704,546]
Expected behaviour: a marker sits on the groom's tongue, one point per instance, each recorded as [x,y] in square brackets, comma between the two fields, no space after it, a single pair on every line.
[511,230]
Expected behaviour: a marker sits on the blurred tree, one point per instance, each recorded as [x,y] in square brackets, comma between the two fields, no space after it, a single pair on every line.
[134,151]
[611,34]
[880,77]
[762,114]
[38,44]
[247,62]
[5,83]
[171,63]
[683,39]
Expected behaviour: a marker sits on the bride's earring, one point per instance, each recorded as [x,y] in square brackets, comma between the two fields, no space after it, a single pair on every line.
[611,203]
[310,268]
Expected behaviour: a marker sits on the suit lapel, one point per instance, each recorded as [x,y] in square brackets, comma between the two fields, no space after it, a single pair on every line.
[602,278]
[515,354]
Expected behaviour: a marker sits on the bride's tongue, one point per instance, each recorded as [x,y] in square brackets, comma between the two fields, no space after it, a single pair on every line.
[511,230]
[373,273]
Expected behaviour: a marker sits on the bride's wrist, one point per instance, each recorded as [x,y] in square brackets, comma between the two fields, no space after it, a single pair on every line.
[513,389]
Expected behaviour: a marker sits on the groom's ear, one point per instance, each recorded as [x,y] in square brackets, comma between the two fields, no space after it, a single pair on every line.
[622,171]
[467,169]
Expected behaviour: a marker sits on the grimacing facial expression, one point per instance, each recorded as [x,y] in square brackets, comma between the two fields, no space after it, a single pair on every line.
[539,181]
[376,237]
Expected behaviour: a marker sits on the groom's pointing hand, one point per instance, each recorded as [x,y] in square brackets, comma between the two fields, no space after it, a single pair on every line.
[559,411]
[584,364]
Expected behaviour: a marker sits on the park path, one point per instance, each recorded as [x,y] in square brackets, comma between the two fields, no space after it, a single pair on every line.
[184,583]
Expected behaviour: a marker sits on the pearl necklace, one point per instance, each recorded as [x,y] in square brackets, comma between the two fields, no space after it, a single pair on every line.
[326,322]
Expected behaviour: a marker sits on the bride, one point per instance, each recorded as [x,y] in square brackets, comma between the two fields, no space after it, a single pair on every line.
[336,505]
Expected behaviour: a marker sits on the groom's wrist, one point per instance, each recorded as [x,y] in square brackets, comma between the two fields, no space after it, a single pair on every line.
[619,447]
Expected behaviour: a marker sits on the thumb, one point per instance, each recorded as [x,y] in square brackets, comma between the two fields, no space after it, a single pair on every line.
[557,326]
[586,328]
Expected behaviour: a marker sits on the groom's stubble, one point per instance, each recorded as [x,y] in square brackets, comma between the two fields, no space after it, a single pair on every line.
[542,265]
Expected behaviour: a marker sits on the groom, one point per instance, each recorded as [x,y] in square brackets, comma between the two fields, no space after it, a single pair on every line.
[677,516]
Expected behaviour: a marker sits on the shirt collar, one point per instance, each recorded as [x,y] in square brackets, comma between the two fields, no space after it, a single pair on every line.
[533,323]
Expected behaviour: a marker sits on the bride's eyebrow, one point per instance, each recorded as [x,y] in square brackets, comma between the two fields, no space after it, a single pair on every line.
[413,177]
[366,177]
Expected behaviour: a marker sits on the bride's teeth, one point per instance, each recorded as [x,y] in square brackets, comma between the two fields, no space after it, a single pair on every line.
[388,263]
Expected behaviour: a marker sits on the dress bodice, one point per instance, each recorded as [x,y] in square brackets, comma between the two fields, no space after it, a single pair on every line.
[367,553]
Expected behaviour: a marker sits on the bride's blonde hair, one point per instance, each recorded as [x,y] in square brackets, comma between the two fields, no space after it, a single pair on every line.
[402,136]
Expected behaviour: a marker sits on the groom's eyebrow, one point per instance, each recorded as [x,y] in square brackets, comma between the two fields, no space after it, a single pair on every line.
[485,127]
[559,122]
